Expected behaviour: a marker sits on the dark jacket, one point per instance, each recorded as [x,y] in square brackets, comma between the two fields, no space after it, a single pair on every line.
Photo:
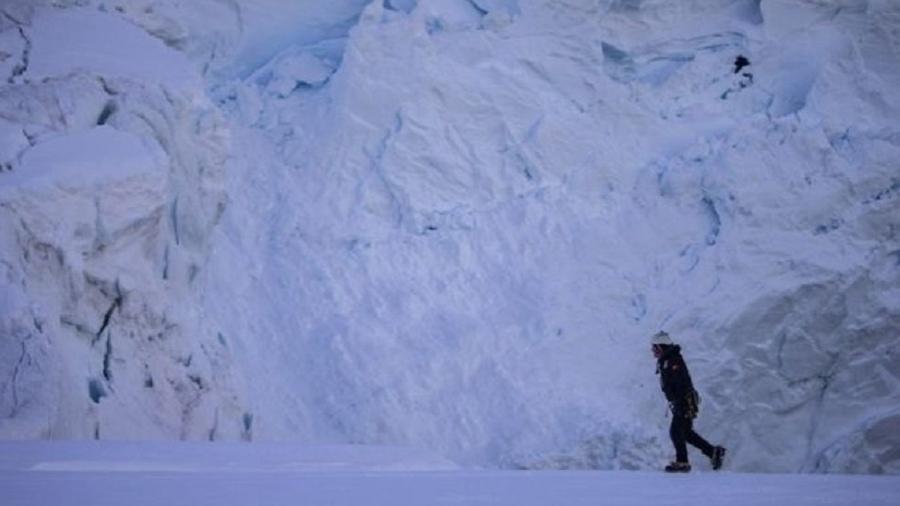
[676,383]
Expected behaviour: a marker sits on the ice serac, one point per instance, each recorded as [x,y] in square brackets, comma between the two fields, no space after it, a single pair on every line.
[106,209]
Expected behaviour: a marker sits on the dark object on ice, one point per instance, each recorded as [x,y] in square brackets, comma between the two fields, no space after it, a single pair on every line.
[684,401]
[747,77]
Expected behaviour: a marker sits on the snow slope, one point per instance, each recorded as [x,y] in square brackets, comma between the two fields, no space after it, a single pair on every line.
[453,224]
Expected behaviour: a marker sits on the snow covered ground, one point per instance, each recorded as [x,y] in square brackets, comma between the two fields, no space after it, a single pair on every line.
[204,474]
[453,224]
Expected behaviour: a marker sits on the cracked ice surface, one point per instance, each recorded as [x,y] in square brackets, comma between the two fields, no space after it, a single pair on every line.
[453,224]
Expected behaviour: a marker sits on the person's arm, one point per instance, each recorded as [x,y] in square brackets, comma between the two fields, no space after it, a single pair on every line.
[679,384]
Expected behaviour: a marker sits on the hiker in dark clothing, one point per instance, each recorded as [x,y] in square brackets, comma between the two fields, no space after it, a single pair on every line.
[684,402]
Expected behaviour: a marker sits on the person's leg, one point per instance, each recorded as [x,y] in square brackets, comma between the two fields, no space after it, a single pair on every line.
[681,425]
[694,439]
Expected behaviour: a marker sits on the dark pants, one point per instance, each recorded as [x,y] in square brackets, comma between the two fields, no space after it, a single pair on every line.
[682,431]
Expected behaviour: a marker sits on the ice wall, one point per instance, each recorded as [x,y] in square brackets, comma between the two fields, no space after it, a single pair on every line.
[112,181]
[456,228]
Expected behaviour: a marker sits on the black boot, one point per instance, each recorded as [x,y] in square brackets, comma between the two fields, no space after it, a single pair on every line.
[717,457]
[678,467]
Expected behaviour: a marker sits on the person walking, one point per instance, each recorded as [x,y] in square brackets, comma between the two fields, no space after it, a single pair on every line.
[684,403]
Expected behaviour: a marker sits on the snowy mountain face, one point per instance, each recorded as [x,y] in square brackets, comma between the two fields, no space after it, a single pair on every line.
[454,224]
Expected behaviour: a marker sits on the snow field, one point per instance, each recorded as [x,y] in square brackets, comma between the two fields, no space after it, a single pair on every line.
[223,474]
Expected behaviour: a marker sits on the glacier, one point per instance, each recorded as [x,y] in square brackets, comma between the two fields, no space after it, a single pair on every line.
[453,225]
